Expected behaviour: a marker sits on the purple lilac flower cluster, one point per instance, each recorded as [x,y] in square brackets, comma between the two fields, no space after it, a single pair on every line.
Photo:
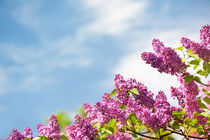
[186,95]
[190,91]
[81,130]
[177,93]
[141,105]
[165,60]
[16,135]
[105,110]
[202,49]
[50,131]
[145,97]
[161,114]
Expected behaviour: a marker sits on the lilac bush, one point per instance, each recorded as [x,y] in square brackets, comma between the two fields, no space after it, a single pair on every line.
[131,111]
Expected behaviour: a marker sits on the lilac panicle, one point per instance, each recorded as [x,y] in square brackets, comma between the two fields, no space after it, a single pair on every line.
[176,92]
[157,46]
[202,49]
[205,36]
[165,60]
[27,133]
[145,97]
[16,135]
[50,131]
[81,129]
[189,92]
[162,114]
[154,61]
[104,111]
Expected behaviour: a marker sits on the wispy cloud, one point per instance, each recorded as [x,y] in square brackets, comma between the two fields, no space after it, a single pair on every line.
[115,17]
[35,64]
[131,65]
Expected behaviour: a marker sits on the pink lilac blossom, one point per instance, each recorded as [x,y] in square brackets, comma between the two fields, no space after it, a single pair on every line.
[50,131]
[145,97]
[189,92]
[81,129]
[162,114]
[27,133]
[141,105]
[177,93]
[154,61]
[202,49]
[16,135]
[205,35]
[165,60]
[105,110]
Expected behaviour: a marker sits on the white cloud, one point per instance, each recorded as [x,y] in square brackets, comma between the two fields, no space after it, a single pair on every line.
[115,17]
[35,64]
[131,64]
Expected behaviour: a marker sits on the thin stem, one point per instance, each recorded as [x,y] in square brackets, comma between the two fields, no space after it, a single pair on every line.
[189,136]
[202,83]
[140,134]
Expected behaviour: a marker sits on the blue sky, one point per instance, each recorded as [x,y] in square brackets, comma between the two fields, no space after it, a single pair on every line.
[59,54]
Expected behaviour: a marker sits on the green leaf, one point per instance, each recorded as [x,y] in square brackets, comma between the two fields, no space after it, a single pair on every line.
[206,92]
[206,67]
[193,123]
[64,137]
[41,138]
[170,138]
[207,100]
[190,53]
[111,123]
[134,91]
[197,79]
[108,130]
[175,125]
[195,67]
[200,130]
[188,79]
[133,117]
[37,138]
[112,93]
[195,62]
[178,114]
[180,48]
[202,72]
[134,135]
[102,137]
[202,105]
[123,107]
